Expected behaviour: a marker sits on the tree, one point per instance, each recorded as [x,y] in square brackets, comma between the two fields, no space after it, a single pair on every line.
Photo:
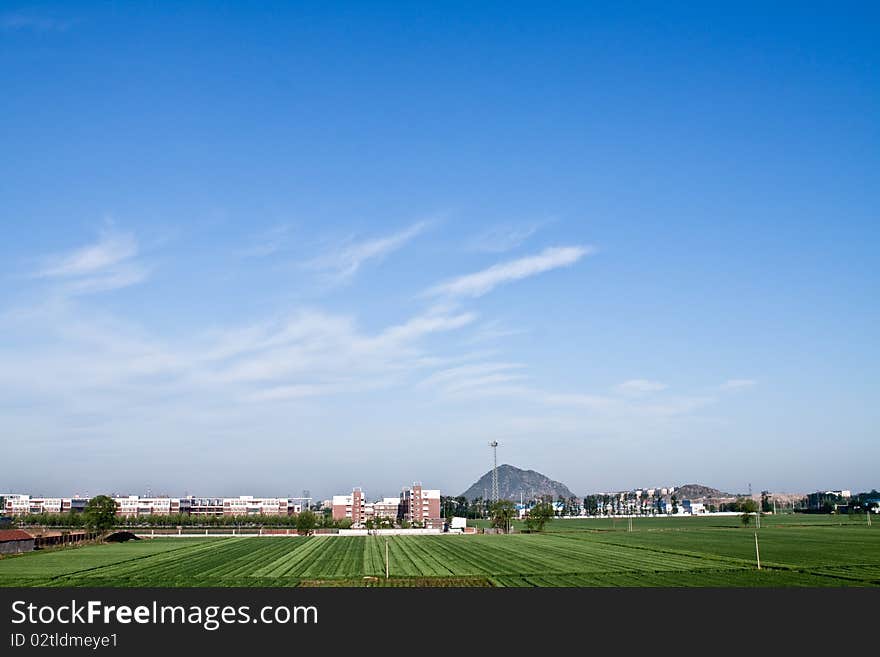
[674,504]
[100,513]
[538,516]
[502,513]
[747,506]
[306,522]
[766,502]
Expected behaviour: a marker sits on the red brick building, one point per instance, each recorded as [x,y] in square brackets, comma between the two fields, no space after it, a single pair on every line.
[421,506]
[415,505]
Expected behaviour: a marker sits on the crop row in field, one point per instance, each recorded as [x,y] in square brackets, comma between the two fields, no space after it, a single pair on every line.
[708,521]
[785,547]
[706,557]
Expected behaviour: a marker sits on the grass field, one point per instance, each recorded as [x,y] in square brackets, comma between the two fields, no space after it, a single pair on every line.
[659,552]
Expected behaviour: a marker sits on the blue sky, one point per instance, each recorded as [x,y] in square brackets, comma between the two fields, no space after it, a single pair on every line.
[310,246]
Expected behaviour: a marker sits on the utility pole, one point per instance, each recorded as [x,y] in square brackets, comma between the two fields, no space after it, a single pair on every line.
[494,446]
[757,551]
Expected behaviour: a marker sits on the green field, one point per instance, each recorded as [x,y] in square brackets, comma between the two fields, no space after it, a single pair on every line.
[659,552]
[691,522]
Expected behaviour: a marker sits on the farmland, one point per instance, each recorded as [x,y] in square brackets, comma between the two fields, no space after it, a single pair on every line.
[570,553]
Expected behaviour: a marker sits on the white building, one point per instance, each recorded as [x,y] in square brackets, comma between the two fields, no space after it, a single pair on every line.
[17,504]
[693,508]
[135,505]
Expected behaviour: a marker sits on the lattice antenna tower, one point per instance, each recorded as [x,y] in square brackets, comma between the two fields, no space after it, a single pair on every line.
[494,446]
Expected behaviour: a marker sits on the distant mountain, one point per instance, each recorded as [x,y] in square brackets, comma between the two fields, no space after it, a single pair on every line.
[513,481]
[698,492]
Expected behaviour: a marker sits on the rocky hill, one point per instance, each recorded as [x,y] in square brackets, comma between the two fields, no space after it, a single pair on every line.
[698,492]
[512,481]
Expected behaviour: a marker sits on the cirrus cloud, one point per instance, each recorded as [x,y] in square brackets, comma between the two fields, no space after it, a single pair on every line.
[483,282]
[109,263]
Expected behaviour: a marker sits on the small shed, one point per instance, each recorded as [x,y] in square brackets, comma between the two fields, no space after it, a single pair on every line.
[15,541]
[458,524]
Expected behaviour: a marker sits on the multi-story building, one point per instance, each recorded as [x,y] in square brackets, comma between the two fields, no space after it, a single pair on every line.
[206,506]
[25,504]
[415,505]
[419,505]
[247,505]
[352,507]
[134,505]
[387,507]
[76,504]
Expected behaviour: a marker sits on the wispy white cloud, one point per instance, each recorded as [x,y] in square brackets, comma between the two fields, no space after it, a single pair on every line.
[313,347]
[424,324]
[112,279]
[640,387]
[492,331]
[473,375]
[737,384]
[95,362]
[108,264]
[624,409]
[110,249]
[509,381]
[346,259]
[502,238]
[482,282]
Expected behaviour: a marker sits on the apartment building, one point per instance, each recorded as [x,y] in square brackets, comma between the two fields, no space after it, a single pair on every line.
[23,504]
[135,505]
[243,505]
[247,505]
[387,507]
[352,507]
[205,506]
[420,505]
[415,505]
